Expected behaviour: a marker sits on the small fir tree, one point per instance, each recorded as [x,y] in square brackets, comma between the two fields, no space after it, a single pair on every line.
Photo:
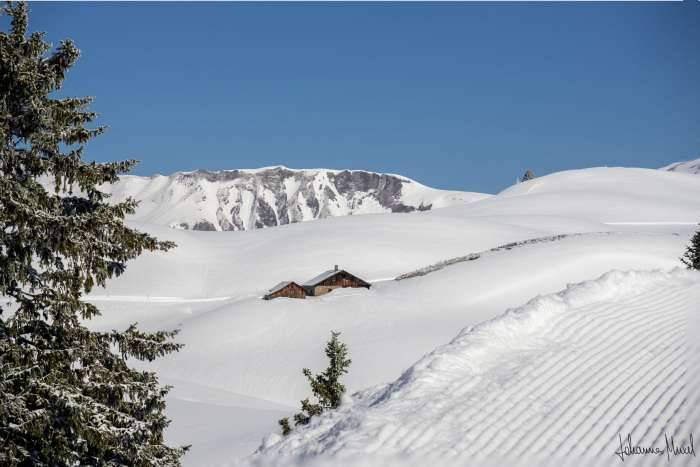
[284,425]
[691,258]
[326,387]
[67,395]
[529,175]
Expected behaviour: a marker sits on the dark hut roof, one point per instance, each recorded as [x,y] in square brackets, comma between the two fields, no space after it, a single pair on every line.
[327,275]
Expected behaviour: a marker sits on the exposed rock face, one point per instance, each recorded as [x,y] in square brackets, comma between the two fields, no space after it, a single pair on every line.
[252,199]
[203,225]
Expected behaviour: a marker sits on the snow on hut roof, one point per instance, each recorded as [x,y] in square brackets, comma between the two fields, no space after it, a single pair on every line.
[280,286]
[322,277]
[327,274]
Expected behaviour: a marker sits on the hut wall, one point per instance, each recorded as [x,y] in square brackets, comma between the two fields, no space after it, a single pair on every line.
[323,289]
[290,291]
[342,280]
[335,282]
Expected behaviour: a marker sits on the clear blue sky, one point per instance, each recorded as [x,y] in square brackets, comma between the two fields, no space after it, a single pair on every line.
[462,96]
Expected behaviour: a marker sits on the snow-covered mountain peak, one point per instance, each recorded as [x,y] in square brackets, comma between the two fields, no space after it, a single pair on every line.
[283,169]
[245,199]
[691,167]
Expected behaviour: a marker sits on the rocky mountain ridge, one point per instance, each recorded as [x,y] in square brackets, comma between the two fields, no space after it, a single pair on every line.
[258,198]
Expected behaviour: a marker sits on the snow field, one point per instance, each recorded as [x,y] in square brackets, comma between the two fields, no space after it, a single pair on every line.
[534,383]
[558,378]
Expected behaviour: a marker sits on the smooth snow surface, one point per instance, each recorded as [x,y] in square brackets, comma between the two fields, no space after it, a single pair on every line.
[558,378]
[240,369]
[600,194]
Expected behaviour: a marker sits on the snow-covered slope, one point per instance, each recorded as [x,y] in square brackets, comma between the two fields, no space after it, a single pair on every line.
[609,195]
[379,246]
[691,167]
[243,356]
[554,382]
[387,327]
[243,347]
[251,199]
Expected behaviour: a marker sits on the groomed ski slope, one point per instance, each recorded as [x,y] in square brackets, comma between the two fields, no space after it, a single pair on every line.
[553,382]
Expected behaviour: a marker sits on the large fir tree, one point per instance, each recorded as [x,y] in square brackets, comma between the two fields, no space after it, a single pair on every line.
[67,395]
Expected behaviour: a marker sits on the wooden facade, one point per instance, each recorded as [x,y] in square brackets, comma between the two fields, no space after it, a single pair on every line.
[286,289]
[332,280]
[319,285]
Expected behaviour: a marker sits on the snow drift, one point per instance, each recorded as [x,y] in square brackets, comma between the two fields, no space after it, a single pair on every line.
[554,382]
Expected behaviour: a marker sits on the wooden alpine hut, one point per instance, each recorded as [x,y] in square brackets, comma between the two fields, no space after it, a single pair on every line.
[289,289]
[333,279]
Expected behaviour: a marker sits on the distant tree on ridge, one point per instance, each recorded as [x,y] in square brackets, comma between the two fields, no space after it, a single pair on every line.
[529,175]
